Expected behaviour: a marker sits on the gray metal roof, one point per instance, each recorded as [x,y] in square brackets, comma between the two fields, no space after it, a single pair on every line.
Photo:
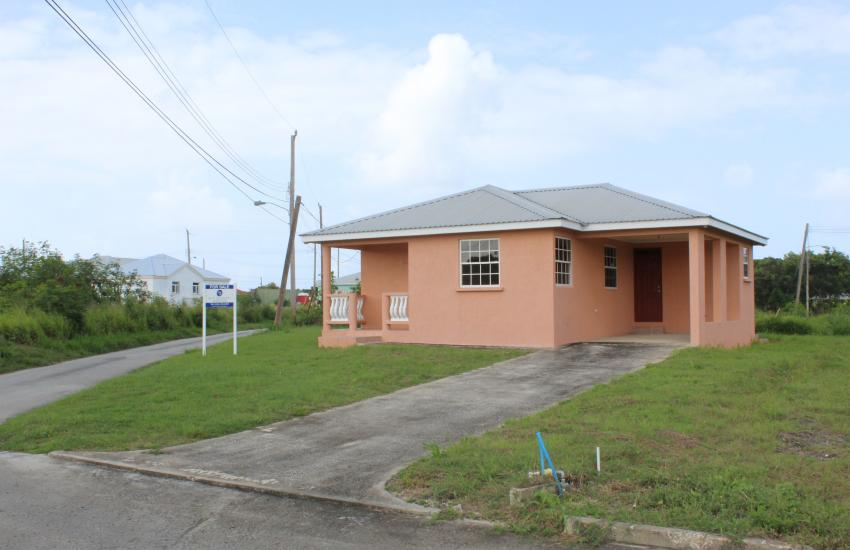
[162,265]
[580,206]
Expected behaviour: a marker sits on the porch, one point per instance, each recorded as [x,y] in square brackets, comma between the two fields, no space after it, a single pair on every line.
[380,312]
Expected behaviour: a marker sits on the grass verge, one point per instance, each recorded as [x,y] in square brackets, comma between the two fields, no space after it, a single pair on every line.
[277,375]
[752,441]
[15,356]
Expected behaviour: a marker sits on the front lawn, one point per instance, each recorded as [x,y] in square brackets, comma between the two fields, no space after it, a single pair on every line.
[753,441]
[277,375]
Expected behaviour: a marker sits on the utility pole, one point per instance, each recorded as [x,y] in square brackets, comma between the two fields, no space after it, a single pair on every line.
[314,246]
[292,220]
[188,249]
[808,265]
[281,294]
[802,259]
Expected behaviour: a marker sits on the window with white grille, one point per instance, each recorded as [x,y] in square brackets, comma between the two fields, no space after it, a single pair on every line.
[479,262]
[610,267]
[563,261]
[745,253]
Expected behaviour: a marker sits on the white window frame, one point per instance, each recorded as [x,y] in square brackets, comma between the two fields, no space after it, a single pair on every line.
[568,262]
[461,263]
[606,267]
[175,285]
[745,262]
[196,289]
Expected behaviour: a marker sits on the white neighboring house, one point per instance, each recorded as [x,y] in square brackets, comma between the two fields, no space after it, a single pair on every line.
[173,279]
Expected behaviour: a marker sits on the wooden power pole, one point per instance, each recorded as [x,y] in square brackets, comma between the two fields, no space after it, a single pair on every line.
[802,264]
[292,220]
[281,295]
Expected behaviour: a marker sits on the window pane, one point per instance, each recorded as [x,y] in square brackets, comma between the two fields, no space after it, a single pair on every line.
[464,269]
[494,268]
[494,279]
[464,246]
[475,246]
[476,280]
[610,278]
[485,269]
[485,280]
[466,280]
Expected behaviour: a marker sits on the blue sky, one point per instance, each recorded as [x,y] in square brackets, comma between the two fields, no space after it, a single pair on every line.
[737,109]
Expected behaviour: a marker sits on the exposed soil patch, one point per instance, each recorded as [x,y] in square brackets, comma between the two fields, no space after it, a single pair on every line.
[817,443]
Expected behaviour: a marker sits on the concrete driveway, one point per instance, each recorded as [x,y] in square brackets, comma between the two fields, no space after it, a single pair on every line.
[348,453]
[27,389]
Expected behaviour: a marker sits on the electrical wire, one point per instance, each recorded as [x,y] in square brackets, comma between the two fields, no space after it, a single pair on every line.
[149,50]
[198,149]
[245,66]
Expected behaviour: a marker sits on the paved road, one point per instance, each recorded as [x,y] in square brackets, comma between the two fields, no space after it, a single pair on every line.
[47,504]
[30,388]
[348,453]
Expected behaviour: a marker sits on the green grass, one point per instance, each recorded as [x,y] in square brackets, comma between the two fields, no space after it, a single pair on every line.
[15,356]
[726,441]
[277,375]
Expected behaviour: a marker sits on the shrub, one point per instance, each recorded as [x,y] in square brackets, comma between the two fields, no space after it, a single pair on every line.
[308,316]
[108,319]
[28,327]
[783,324]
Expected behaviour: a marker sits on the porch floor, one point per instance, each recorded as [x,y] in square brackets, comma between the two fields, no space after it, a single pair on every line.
[673,339]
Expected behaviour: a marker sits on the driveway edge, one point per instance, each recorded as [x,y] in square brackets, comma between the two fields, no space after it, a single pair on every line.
[240,485]
[670,537]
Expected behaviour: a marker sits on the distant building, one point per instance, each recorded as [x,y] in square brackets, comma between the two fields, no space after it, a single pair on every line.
[167,277]
[348,283]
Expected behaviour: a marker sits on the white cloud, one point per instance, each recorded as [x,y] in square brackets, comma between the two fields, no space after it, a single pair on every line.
[739,175]
[461,113]
[794,29]
[833,184]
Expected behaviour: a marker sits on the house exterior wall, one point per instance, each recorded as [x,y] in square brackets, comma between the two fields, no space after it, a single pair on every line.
[530,310]
[161,286]
[586,310]
[383,270]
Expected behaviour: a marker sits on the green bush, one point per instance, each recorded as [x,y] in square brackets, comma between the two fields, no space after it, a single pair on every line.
[28,327]
[783,324]
[308,316]
[109,319]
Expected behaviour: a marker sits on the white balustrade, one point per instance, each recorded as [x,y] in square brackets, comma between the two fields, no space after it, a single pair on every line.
[339,308]
[360,308]
[398,308]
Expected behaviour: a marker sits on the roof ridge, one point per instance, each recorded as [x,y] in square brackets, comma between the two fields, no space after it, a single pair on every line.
[562,188]
[557,212]
[652,200]
[400,209]
[521,202]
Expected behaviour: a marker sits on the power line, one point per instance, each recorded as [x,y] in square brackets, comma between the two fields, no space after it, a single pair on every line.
[245,66]
[198,149]
[148,48]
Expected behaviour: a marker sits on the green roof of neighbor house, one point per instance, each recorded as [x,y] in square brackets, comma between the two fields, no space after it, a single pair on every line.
[597,207]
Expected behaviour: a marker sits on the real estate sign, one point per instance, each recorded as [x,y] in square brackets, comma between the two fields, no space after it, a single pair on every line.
[215,297]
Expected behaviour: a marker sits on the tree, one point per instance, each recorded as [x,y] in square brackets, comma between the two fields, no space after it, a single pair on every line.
[829,274]
[36,276]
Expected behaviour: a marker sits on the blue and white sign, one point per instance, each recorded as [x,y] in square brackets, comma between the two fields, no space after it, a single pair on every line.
[215,297]
[219,296]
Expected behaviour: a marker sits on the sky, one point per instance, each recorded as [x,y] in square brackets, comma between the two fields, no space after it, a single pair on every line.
[738,109]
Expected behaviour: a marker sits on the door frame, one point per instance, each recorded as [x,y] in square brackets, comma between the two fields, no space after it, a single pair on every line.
[658,251]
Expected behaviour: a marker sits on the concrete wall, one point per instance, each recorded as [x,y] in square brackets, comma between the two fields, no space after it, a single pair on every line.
[384,268]
[586,310]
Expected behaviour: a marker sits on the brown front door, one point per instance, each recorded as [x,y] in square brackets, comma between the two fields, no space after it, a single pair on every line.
[648,285]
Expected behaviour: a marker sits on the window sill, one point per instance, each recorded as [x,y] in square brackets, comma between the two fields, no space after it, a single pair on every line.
[481,289]
[747,280]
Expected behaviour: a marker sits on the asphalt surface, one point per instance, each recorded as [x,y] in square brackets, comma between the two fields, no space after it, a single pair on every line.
[27,389]
[348,453]
[47,504]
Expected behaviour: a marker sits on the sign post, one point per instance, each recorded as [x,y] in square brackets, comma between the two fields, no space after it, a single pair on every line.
[218,297]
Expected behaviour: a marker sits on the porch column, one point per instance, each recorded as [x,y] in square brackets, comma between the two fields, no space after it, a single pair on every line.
[718,279]
[696,272]
[326,287]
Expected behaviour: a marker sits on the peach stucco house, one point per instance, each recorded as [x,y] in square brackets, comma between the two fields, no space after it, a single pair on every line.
[541,268]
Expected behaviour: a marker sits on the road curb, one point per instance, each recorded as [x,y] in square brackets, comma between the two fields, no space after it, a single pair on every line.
[239,485]
[669,537]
